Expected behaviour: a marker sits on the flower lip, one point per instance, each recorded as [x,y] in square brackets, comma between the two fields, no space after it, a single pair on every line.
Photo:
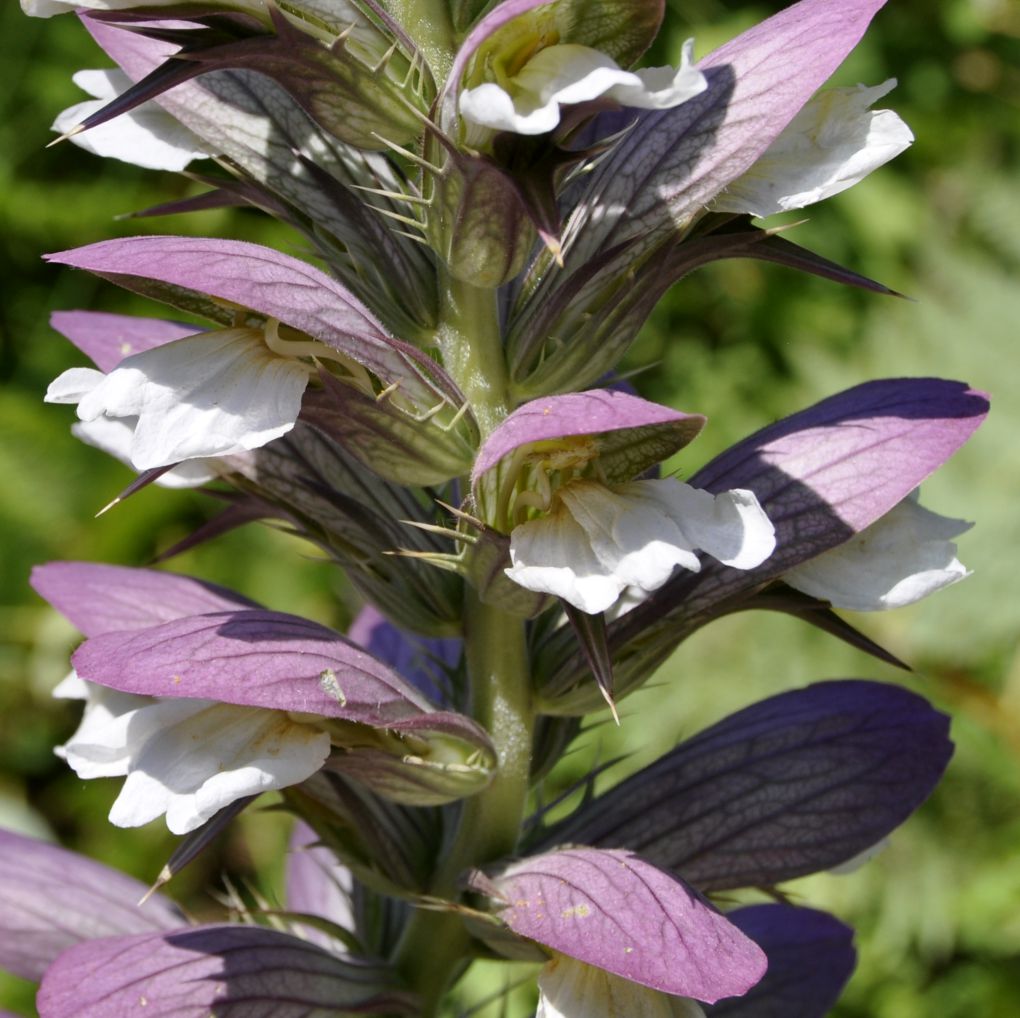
[539,23]
[146,136]
[901,558]
[597,542]
[211,394]
[188,758]
[567,74]
[573,989]
[831,144]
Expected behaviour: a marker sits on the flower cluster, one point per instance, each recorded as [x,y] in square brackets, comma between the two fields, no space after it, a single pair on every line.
[495,197]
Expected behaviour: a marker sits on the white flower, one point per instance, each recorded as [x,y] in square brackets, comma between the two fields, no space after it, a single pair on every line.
[97,749]
[212,394]
[563,75]
[597,541]
[114,436]
[571,989]
[186,758]
[834,142]
[905,555]
[146,136]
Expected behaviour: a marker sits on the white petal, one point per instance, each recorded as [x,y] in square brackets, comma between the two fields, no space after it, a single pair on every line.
[662,88]
[632,538]
[902,557]
[552,555]
[71,687]
[214,394]
[102,83]
[114,436]
[568,74]
[47,8]
[571,989]
[190,758]
[572,74]
[833,142]
[73,385]
[490,106]
[731,526]
[597,542]
[146,136]
[101,745]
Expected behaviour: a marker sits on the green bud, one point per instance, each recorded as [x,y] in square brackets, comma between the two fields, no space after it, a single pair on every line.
[477,221]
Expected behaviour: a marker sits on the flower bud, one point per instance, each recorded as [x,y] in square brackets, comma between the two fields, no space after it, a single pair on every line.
[477,221]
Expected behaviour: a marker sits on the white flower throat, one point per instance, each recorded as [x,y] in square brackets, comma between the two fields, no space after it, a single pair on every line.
[537,474]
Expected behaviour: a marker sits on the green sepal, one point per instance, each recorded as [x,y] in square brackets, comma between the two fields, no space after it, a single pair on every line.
[449,761]
[485,564]
[359,520]
[388,440]
[365,95]
[388,847]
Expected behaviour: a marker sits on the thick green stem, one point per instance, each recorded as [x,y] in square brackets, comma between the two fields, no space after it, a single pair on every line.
[433,950]
[471,343]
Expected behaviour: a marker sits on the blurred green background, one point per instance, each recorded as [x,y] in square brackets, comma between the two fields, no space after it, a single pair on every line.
[939,911]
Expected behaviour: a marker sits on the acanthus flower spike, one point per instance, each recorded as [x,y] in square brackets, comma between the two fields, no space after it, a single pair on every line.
[489,201]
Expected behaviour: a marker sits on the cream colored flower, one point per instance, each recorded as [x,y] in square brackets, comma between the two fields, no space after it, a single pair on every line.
[571,989]
[835,141]
[208,395]
[902,557]
[185,758]
[568,74]
[596,541]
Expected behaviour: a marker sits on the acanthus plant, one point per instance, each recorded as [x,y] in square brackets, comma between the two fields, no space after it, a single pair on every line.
[496,200]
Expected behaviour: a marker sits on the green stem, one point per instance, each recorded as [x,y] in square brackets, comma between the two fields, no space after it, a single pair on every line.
[471,343]
[434,948]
